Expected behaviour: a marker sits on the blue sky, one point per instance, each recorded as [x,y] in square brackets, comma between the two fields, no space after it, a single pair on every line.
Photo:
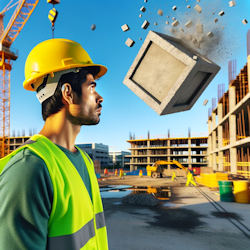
[123,111]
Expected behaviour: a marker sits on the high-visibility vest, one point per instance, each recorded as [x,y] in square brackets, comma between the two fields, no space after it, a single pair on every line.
[75,221]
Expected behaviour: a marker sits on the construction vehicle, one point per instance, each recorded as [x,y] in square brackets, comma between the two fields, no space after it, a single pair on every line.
[157,169]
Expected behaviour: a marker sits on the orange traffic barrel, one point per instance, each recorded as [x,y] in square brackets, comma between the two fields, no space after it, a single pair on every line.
[242,191]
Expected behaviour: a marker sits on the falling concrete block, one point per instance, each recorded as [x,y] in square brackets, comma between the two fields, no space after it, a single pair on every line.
[188,24]
[145,24]
[175,23]
[216,20]
[145,1]
[167,22]
[139,38]
[198,8]
[221,13]
[174,8]
[130,42]
[155,24]
[165,75]
[189,37]
[167,16]
[188,6]
[232,3]
[125,27]
[140,15]
[199,28]
[160,12]
[143,9]
[93,27]
[195,57]
[173,18]
[244,21]
[210,34]
[205,102]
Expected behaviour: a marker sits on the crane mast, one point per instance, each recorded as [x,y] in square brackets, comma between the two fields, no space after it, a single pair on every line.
[7,36]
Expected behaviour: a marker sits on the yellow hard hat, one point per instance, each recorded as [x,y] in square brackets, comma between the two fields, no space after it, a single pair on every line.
[56,55]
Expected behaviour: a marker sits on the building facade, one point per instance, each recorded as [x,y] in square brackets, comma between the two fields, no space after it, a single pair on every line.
[96,151]
[189,151]
[119,158]
[229,127]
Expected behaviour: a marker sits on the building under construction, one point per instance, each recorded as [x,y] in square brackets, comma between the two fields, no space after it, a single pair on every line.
[229,124]
[189,151]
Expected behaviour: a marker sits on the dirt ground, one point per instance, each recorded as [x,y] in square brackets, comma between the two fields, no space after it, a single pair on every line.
[186,221]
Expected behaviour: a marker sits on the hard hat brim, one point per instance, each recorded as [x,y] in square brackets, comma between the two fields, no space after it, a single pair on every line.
[103,70]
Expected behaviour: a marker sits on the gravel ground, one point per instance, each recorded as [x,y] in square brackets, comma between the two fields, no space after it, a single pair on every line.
[140,199]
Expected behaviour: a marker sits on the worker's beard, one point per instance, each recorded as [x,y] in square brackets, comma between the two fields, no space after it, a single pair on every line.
[83,115]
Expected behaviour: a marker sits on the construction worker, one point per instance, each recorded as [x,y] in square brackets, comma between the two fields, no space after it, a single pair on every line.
[116,172]
[190,178]
[121,176]
[140,173]
[105,171]
[174,176]
[49,193]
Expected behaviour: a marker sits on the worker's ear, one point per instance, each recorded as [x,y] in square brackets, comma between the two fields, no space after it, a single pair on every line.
[67,94]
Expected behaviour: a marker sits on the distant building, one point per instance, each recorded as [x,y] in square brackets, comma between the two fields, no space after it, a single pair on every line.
[96,151]
[118,158]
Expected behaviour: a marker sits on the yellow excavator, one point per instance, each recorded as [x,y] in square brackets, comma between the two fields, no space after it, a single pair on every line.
[157,170]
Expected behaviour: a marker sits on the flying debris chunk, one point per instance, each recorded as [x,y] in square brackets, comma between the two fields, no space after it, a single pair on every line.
[174,8]
[198,8]
[216,20]
[221,13]
[93,27]
[167,22]
[145,1]
[139,38]
[155,24]
[232,3]
[140,15]
[125,27]
[195,57]
[210,34]
[173,18]
[167,16]
[188,6]
[160,12]
[130,42]
[205,102]
[188,24]
[199,28]
[145,24]
[244,21]
[143,9]
[198,0]
[182,30]
[175,23]
[186,13]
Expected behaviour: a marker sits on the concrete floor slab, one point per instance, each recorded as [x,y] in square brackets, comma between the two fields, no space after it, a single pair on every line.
[165,75]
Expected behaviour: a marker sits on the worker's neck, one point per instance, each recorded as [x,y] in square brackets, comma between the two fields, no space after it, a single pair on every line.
[61,131]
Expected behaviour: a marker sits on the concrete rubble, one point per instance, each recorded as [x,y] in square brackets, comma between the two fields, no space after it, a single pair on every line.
[199,28]
[93,27]
[216,20]
[198,8]
[167,22]
[145,24]
[145,1]
[130,42]
[188,6]
[232,3]
[195,57]
[210,34]
[155,24]
[143,9]
[188,24]
[140,199]
[160,12]
[174,8]
[139,38]
[205,102]
[182,30]
[175,23]
[221,13]
[244,21]
[173,18]
[140,15]
[125,27]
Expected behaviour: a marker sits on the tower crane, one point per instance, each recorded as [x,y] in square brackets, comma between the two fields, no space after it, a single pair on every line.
[24,9]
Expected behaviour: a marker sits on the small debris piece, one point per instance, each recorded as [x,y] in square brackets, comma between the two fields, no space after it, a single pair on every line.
[143,9]
[188,6]
[130,42]
[205,102]
[210,34]
[182,30]
[216,20]
[175,23]
[160,12]
[155,24]
[244,21]
[167,16]
[139,38]
[213,13]
[198,0]
[140,15]
[93,27]
[221,13]
[186,13]
[174,8]
[189,37]
[149,12]
[188,24]
[145,1]
[167,22]
[199,28]
[232,3]
[145,24]
[198,8]
[125,27]
[173,18]
[195,57]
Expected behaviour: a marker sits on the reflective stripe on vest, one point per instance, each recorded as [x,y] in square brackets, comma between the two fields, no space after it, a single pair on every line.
[75,221]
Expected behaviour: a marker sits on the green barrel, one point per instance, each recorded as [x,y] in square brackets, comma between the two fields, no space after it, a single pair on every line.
[226,191]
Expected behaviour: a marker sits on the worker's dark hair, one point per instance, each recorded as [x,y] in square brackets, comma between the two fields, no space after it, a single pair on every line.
[54,103]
